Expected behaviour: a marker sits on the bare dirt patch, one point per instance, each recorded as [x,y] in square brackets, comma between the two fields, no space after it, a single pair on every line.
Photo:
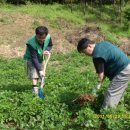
[125,45]
[82,99]
[8,52]
[91,32]
[94,33]
[11,123]
[14,34]
[17,28]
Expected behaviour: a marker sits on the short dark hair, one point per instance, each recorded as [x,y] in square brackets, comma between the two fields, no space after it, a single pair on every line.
[41,30]
[82,44]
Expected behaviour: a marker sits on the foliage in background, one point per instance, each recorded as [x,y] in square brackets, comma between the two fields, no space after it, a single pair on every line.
[106,17]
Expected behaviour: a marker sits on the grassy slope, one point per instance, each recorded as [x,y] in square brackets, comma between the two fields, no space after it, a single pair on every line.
[105,17]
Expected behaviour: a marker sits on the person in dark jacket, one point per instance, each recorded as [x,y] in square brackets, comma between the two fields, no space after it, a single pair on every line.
[111,62]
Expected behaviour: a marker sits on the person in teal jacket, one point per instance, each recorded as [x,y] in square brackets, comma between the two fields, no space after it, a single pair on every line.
[111,62]
[37,47]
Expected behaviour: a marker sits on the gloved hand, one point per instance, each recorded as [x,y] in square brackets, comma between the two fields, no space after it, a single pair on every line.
[41,74]
[95,89]
[99,85]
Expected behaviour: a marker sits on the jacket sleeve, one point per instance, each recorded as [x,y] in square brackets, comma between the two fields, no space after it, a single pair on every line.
[50,45]
[34,58]
[99,65]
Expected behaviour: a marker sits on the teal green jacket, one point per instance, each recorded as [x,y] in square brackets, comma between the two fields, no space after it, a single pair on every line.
[34,43]
[114,59]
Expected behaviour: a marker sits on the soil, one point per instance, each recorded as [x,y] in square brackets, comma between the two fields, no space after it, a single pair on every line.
[17,28]
[11,123]
[91,32]
[82,99]
[125,46]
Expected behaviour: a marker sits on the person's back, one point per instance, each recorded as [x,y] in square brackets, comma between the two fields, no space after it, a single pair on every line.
[115,59]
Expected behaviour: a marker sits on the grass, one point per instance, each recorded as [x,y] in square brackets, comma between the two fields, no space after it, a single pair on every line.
[19,109]
[49,12]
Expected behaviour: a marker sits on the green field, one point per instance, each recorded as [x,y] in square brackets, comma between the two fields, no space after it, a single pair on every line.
[68,76]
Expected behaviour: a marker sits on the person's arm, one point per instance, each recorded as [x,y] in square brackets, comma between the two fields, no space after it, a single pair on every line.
[34,58]
[49,45]
[101,76]
[99,66]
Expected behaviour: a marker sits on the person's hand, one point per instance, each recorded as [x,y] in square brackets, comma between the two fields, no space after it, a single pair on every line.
[46,53]
[99,85]
[95,89]
[41,74]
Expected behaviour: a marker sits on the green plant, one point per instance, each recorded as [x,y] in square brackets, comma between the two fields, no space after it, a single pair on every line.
[20,109]
[86,118]
[116,119]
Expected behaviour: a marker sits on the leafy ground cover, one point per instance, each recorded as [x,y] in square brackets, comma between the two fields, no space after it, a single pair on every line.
[68,76]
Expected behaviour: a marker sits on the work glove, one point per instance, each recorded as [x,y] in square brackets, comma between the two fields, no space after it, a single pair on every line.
[99,85]
[41,74]
[95,90]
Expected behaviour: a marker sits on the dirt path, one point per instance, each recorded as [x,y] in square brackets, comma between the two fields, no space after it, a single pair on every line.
[17,28]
